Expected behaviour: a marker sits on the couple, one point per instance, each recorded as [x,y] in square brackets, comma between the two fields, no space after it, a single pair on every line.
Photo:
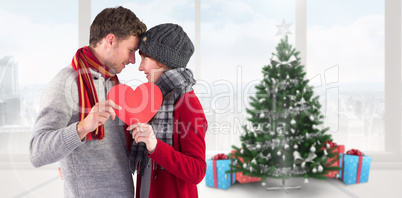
[98,155]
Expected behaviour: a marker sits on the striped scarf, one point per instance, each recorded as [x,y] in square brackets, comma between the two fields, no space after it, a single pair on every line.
[83,61]
[173,84]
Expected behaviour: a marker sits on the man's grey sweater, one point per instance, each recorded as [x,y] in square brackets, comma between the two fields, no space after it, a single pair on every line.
[96,168]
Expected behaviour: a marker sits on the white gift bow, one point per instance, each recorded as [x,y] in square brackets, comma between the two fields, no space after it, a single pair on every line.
[291,60]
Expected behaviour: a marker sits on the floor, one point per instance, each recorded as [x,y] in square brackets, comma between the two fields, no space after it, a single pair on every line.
[21,181]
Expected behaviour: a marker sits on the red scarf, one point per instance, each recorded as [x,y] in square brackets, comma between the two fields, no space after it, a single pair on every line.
[83,60]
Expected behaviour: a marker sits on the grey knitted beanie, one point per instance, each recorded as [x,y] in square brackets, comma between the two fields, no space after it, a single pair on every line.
[168,44]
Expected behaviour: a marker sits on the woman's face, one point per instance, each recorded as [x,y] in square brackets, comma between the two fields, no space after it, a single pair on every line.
[152,69]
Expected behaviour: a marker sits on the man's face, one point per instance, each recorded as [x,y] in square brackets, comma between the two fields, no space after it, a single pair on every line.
[122,54]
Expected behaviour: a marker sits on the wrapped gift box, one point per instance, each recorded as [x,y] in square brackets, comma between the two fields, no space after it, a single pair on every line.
[244,178]
[338,149]
[216,176]
[355,168]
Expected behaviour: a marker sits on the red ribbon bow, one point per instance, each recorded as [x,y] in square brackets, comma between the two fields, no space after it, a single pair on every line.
[354,152]
[220,156]
[331,144]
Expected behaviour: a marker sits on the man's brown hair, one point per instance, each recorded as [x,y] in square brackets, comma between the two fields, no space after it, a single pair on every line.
[119,21]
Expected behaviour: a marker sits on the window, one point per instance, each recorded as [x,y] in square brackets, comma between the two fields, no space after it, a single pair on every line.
[34,48]
[345,60]
[237,40]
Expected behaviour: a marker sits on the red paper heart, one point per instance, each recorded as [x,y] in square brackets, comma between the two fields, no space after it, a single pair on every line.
[137,106]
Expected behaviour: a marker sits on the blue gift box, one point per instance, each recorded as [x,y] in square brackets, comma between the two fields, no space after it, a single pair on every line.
[222,179]
[350,164]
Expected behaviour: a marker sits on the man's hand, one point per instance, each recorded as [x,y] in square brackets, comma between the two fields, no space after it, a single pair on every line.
[144,133]
[98,115]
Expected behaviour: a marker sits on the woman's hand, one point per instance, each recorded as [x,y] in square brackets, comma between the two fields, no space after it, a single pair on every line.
[144,133]
[61,175]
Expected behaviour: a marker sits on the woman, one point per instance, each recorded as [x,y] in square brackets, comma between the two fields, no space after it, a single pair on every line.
[172,161]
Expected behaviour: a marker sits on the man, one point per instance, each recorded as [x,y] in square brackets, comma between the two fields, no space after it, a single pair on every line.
[73,126]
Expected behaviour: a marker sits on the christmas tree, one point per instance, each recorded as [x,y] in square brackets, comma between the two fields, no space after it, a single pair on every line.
[284,137]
